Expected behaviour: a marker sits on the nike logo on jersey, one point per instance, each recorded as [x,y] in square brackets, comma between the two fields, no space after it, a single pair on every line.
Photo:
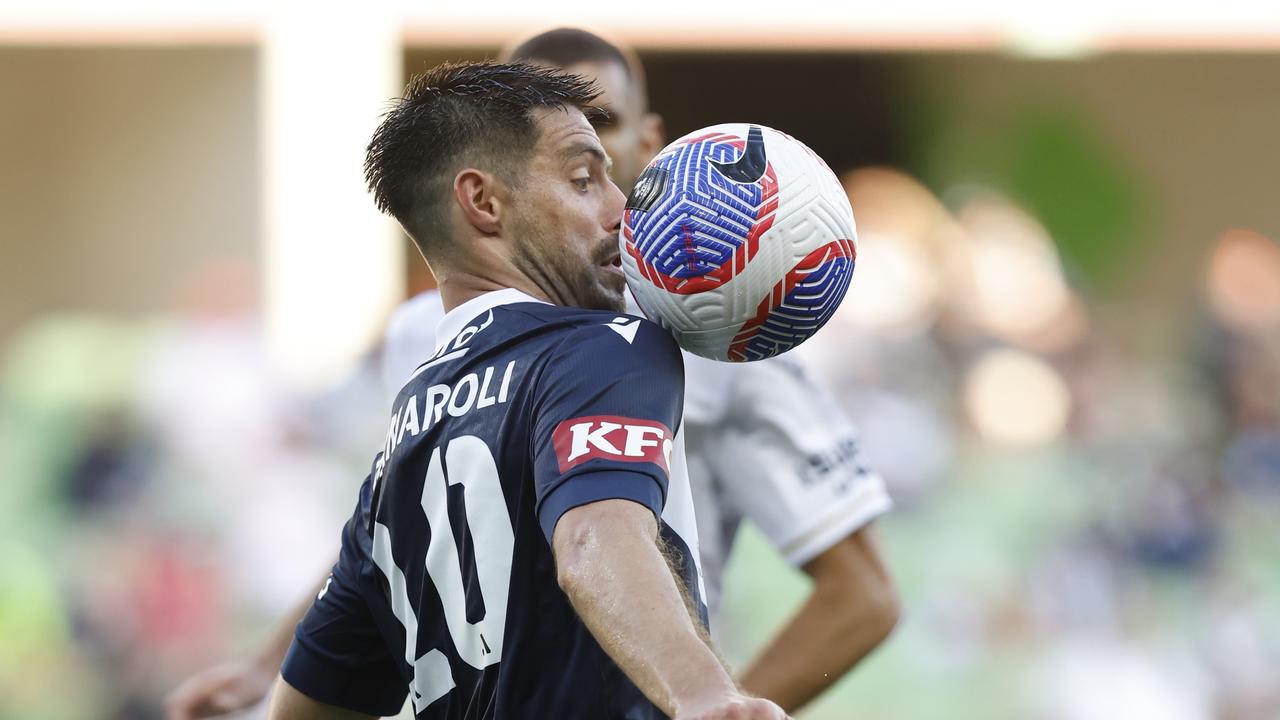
[624,326]
[751,165]
[609,437]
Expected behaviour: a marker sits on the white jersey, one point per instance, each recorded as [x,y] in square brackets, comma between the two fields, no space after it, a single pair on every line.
[764,441]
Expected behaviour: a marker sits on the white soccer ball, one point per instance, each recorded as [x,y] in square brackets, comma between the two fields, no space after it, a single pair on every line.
[739,240]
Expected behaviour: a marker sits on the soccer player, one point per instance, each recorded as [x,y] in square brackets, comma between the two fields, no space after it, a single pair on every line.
[524,545]
[765,442]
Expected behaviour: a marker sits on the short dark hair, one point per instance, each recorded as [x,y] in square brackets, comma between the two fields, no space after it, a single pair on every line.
[567,46]
[457,115]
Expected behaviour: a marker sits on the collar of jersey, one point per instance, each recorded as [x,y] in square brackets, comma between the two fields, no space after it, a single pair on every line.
[457,319]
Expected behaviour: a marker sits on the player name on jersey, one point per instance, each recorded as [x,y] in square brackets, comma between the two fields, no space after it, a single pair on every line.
[473,391]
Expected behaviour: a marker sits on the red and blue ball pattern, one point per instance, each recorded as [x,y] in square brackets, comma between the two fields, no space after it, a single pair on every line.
[704,234]
[705,228]
[798,305]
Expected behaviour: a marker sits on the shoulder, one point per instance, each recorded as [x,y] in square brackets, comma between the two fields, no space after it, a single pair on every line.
[780,375]
[410,338]
[423,310]
[709,388]
[411,329]
[768,391]
[576,331]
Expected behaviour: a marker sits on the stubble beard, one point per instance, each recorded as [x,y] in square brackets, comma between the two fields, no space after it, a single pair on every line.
[566,278]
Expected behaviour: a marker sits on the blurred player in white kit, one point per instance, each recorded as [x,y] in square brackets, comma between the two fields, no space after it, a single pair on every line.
[764,441]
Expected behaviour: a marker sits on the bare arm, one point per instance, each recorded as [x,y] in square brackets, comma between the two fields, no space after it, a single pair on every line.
[850,611]
[238,685]
[271,656]
[609,564]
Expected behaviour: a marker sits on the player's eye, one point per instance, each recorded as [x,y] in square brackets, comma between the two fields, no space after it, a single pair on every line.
[582,183]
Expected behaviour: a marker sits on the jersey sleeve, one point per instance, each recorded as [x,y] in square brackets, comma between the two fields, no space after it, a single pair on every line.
[339,655]
[606,410]
[788,459]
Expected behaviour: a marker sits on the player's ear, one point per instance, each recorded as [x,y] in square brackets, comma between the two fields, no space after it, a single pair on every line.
[477,194]
[653,134]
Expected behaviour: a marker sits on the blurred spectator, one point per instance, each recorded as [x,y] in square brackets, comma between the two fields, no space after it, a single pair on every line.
[163,496]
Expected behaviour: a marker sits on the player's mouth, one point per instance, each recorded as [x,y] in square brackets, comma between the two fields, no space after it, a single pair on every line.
[612,263]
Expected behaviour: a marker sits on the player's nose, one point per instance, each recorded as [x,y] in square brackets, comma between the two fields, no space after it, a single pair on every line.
[614,202]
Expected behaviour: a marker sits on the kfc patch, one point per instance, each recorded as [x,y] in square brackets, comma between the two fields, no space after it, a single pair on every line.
[609,437]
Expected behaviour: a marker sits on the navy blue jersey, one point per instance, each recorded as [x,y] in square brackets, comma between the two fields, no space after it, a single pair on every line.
[446,586]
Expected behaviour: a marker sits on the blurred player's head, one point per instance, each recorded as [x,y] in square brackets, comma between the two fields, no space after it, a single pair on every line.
[632,135]
[498,176]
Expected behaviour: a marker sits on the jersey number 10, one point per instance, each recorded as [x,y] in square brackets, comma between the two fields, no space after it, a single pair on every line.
[478,644]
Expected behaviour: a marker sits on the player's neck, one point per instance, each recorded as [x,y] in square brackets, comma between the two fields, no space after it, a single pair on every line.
[485,267]
[458,288]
